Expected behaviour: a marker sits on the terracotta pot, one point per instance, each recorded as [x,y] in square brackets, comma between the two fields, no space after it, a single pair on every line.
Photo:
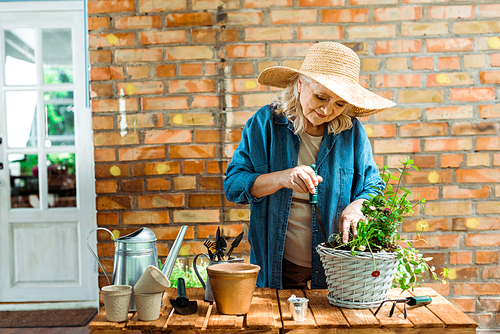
[148,305]
[116,301]
[151,281]
[233,285]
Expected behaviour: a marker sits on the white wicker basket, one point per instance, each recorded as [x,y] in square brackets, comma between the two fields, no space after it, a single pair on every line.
[349,278]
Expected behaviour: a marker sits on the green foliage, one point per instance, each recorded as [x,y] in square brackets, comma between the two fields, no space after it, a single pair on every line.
[384,214]
[189,275]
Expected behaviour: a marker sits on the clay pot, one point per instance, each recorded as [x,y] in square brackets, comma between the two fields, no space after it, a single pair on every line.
[151,281]
[116,302]
[233,285]
[148,305]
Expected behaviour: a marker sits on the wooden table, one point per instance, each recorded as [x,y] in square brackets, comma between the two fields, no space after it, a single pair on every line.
[270,314]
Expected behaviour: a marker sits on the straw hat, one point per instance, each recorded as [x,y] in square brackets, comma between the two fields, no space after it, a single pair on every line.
[336,67]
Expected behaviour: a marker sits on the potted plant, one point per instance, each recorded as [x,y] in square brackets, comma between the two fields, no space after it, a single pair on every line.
[360,272]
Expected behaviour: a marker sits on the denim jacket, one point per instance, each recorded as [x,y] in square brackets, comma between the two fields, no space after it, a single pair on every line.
[268,144]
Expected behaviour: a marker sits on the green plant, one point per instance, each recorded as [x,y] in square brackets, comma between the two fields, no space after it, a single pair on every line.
[189,275]
[384,214]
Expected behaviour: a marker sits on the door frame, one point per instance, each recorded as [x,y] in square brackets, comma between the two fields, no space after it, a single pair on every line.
[85,188]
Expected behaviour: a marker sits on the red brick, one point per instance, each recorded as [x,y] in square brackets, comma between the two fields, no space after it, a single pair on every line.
[489,10]
[103,187]
[138,55]
[398,80]
[448,144]
[104,154]
[426,225]
[147,6]
[447,79]
[449,63]
[451,160]
[135,121]
[191,69]
[242,68]
[145,218]
[206,136]
[165,71]
[113,105]
[107,218]
[203,101]
[138,72]
[380,130]
[486,257]
[491,304]
[162,37]
[204,200]
[422,63]
[321,3]
[192,151]
[193,167]
[289,49]
[242,19]
[491,77]
[138,22]
[117,73]
[444,113]
[95,23]
[478,175]
[158,184]
[109,171]
[157,168]
[479,240]
[160,201]
[141,153]
[477,288]
[489,111]
[423,130]
[145,87]
[105,40]
[460,257]
[487,143]
[214,35]
[479,223]
[113,203]
[115,138]
[209,183]
[451,12]
[293,16]
[100,57]
[103,123]
[443,241]
[441,176]
[398,13]
[213,167]
[189,19]
[448,208]
[495,59]
[100,73]
[159,103]
[115,6]
[132,185]
[457,192]
[398,46]
[246,51]
[437,258]
[371,31]
[191,86]
[483,128]
[344,15]
[491,273]
[397,146]
[425,161]
[450,45]
[429,193]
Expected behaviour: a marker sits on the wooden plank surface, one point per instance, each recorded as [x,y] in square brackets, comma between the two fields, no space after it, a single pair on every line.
[100,322]
[223,321]
[261,314]
[196,320]
[383,330]
[276,309]
[419,316]
[360,318]
[286,314]
[445,310]
[397,320]
[135,323]
[325,314]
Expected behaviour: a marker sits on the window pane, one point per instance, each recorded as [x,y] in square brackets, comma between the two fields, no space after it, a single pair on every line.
[57,56]
[60,123]
[62,184]
[23,170]
[21,119]
[20,66]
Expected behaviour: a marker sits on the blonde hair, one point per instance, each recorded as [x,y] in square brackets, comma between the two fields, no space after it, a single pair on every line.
[288,103]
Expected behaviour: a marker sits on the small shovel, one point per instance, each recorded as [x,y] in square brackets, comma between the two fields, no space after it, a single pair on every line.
[313,199]
[182,305]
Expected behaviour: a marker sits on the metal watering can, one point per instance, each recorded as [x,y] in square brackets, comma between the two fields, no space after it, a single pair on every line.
[134,253]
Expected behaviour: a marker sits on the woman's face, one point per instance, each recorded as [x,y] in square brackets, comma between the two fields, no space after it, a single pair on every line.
[319,105]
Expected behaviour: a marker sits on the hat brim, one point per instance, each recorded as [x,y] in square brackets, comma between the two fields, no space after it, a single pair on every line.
[364,102]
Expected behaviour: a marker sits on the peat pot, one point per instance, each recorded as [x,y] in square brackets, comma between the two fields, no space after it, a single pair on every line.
[233,285]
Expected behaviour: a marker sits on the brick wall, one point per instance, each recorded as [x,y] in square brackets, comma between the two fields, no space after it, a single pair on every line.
[173,82]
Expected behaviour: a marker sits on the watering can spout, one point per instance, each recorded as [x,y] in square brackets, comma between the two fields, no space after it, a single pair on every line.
[168,266]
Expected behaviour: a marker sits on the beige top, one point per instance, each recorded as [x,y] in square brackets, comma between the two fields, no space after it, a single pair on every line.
[298,240]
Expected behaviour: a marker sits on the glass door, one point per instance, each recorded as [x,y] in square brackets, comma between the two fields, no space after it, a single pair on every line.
[46,141]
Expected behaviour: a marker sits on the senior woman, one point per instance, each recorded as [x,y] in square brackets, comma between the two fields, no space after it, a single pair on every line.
[313,120]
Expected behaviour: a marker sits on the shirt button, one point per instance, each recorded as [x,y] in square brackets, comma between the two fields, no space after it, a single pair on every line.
[316,271]
[316,231]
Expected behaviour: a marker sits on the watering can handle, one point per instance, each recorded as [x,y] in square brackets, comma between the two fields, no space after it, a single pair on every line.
[196,269]
[94,254]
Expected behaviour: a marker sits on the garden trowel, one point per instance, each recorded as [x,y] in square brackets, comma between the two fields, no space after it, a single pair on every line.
[182,304]
[313,199]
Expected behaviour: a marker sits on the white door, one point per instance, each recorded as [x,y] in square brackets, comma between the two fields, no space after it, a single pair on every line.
[47,199]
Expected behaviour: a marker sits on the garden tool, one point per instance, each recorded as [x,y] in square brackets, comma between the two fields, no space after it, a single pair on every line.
[182,304]
[313,199]
[234,244]
[411,301]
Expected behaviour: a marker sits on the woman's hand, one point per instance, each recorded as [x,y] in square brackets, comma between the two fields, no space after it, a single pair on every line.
[349,219]
[301,178]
